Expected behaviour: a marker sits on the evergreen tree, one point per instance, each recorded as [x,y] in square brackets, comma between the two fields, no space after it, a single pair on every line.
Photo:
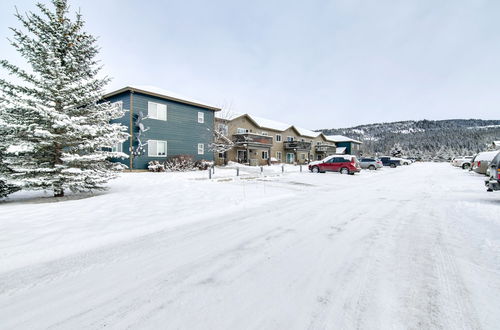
[59,133]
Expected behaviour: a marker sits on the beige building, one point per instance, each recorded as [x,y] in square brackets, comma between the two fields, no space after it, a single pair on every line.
[260,141]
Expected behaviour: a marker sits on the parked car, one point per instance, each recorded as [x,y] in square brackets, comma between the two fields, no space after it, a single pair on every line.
[493,183]
[462,161]
[370,163]
[404,161]
[345,164]
[388,161]
[482,161]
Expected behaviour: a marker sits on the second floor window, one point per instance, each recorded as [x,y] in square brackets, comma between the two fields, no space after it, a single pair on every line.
[240,130]
[265,155]
[223,129]
[157,111]
[201,117]
[289,138]
[278,137]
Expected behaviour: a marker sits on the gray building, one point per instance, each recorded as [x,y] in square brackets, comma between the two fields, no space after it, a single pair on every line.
[162,125]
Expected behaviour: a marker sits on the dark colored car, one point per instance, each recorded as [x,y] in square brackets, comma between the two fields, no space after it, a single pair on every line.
[493,183]
[388,161]
[345,164]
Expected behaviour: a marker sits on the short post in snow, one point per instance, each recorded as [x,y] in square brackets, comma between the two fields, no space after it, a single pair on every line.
[213,169]
[301,168]
[209,173]
[261,169]
[237,171]
[282,168]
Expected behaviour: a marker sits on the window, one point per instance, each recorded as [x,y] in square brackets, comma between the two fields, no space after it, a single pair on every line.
[289,138]
[317,143]
[240,130]
[201,149]
[302,140]
[278,137]
[223,129]
[157,148]
[302,156]
[117,148]
[265,155]
[221,155]
[157,111]
[201,117]
[264,133]
[278,155]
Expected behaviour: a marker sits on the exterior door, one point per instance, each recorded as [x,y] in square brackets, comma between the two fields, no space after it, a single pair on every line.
[242,156]
[290,158]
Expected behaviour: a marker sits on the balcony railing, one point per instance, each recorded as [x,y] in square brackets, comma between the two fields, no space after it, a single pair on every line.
[297,145]
[327,148]
[253,139]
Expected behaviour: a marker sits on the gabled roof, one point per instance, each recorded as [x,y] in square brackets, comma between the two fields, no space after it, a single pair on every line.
[164,94]
[306,132]
[341,138]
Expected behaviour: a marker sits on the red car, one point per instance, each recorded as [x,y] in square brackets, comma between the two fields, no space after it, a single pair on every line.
[345,164]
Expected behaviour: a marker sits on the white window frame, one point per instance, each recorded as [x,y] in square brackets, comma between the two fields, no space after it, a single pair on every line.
[223,129]
[241,130]
[201,117]
[289,139]
[117,147]
[278,138]
[201,149]
[264,133]
[266,153]
[279,155]
[156,111]
[154,143]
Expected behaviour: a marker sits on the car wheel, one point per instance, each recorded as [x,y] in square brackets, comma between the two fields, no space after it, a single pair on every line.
[344,170]
[466,166]
[393,165]
[315,169]
[372,168]
[406,164]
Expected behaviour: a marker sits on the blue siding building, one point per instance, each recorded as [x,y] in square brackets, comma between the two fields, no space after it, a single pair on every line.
[164,124]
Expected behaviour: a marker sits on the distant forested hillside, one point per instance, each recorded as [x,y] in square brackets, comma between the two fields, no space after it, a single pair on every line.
[426,139]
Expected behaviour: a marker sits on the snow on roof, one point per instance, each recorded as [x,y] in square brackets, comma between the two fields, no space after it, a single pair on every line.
[486,156]
[306,132]
[271,124]
[496,143]
[340,150]
[341,138]
[227,115]
[166,94]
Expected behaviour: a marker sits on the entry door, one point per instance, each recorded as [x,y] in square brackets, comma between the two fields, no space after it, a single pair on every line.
[290,158]
[242,156]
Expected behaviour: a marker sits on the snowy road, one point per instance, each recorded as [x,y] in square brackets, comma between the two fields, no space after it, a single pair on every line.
[416,247]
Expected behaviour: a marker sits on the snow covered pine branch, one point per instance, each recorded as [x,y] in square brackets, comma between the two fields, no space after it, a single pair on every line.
[56,134]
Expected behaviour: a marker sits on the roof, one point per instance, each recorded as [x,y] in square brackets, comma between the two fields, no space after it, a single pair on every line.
[271,124]
[340,150]
[341,138]
[164,94]
[306,132]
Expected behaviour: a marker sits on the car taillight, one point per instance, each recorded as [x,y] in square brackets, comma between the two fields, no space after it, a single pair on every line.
[498,176]
[479,164]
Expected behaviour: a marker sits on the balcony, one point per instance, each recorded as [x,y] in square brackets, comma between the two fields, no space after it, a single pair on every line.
[253,140]
[326,148]
[297,145]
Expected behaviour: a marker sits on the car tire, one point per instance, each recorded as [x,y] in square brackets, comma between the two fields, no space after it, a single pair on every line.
[392,165]
[372,168]
[465,166]
[344,170]
[315,169]
[406,164]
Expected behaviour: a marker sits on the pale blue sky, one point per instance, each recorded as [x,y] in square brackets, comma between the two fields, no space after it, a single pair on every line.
[316,64]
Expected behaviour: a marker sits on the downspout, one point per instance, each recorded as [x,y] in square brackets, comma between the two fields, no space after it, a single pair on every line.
[131,130]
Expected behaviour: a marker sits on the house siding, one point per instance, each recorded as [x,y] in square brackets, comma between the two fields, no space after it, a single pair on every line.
[181,130]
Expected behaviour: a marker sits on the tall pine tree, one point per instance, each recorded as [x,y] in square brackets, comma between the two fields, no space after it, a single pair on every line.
[59,134]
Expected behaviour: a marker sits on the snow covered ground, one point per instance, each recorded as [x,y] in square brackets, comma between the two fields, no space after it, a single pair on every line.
[412,247]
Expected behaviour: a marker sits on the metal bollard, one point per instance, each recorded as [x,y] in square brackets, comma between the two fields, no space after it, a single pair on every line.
[237,171]
[213,169]
[282,168]
[301,168]
[261,169]
[209,173]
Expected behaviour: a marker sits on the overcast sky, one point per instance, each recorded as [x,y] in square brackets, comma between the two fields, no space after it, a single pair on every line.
[315,64]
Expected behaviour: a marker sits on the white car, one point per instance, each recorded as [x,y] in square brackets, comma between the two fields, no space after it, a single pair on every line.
[462,161]
[404,161]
